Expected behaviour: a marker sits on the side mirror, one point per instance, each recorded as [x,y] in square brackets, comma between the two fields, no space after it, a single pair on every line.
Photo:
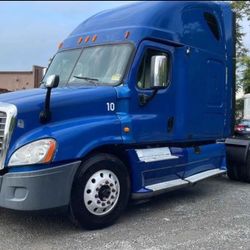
[52,82]
[158,71]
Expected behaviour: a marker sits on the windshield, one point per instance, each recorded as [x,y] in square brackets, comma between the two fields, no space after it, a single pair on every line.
[97,65]
[62,65]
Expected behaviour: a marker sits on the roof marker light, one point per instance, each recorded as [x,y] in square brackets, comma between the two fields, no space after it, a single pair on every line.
[86,39]
[79,40]
[94,38]
[127,33]
[60,45]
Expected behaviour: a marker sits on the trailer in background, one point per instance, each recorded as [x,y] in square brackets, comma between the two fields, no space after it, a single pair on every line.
[246,109]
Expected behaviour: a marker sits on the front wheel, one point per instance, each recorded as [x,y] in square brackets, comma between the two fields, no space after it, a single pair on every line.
[100,191]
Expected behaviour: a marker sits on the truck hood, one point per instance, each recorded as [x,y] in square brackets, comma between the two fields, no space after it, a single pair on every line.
[66,103]
[34,99]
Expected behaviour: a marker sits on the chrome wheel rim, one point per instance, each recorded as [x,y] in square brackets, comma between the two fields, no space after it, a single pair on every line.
[101,192]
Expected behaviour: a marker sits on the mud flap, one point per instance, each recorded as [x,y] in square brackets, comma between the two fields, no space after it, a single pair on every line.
[238,159]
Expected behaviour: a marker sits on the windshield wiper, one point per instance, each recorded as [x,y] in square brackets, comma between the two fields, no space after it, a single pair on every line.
[89,79]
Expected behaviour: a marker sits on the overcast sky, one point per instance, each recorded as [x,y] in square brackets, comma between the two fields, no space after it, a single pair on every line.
[246,26]
[31,31]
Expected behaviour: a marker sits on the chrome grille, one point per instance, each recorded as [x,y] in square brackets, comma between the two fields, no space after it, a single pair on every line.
[8,114]
[3,118]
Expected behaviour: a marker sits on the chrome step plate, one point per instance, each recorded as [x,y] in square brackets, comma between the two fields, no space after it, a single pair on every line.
[203,175]
[167,185]
[182,182]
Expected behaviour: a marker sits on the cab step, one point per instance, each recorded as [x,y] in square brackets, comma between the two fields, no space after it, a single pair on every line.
[167,185]
[203,175]
[162,187]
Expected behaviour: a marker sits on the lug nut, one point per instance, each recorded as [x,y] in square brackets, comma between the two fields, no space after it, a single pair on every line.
[103,204]
[98,202]
[112,197]
[106,182]
[108,202]
[113,190]
[111,184]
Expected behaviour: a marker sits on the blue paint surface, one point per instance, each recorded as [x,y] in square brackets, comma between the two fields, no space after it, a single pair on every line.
[188,163]
[198,98]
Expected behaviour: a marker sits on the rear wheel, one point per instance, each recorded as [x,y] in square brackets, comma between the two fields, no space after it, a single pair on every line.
[238,159]
[233,172]
[245,170]
[100,192]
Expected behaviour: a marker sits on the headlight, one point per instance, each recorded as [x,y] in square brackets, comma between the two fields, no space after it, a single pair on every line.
[41,151]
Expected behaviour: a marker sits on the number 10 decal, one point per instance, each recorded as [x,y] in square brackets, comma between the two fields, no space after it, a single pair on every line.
[110,106]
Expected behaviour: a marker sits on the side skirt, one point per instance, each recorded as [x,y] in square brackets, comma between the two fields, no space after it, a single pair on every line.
[166,186]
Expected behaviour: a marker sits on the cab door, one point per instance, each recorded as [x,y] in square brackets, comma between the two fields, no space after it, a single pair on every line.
[152,109]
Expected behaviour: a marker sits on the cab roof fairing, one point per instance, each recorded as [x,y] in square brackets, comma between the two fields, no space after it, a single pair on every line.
[157,20]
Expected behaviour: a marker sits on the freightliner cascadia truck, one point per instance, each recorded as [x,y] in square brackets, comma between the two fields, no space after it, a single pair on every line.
[137,101]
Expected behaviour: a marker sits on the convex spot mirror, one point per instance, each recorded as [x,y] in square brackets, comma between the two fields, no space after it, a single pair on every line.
[52,81]
[158,71]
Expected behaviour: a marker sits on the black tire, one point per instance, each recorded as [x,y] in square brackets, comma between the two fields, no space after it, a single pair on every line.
[233,172]
[79,212]
[233,164]
[245,170]
[239,170]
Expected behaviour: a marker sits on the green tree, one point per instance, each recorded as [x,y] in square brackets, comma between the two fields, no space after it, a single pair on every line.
[242,10]
[246,74]
[239,104]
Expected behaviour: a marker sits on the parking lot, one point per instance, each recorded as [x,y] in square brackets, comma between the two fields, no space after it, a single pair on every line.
[215,214]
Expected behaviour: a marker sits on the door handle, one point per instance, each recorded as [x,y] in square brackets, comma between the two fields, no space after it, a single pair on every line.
[170,124]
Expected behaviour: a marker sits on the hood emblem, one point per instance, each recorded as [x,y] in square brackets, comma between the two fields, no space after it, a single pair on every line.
[20,123]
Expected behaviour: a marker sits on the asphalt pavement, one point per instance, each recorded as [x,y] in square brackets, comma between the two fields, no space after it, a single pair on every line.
[214,214]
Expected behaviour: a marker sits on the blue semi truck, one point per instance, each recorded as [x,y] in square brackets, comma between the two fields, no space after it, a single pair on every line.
[137,101]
